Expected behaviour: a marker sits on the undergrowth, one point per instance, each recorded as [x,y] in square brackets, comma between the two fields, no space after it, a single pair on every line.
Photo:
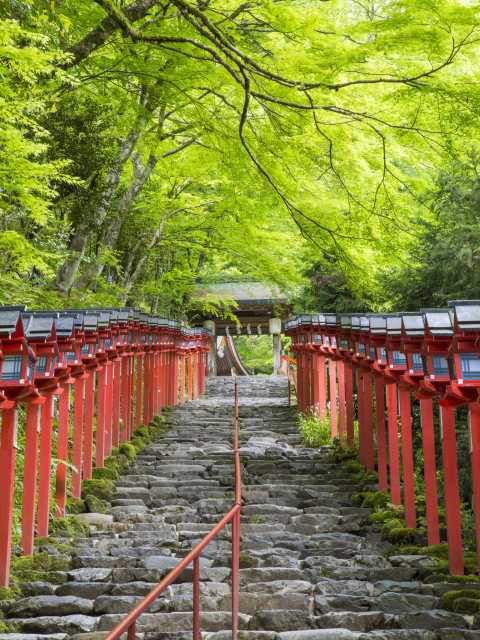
[315,431]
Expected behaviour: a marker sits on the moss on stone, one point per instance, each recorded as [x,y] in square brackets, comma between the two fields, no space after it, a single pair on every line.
[460,600]
[8,627]
[128,450]
[397,535]
[9,593]
[75,506]
[40,567]
[142,432]
[138,443]
[96,505]
[371,499]
[68,527]
[100,488]
[440,577]
[108,473]
[256,520]
[353,466]
[247,561]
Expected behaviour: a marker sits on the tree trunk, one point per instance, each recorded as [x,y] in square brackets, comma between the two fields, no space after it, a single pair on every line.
[67,273]
[133,272]
[110,234]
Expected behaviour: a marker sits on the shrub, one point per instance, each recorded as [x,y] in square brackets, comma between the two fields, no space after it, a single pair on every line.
[315,431]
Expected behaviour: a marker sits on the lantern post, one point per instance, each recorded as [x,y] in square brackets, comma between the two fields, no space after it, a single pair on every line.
[344,350]
[413,338]
[331,348]
[16,384]
[396,370]
[68,370]
[88,351]
[436,348]
[378,336]
[40,332]
[360,358]
[464,387]
[319,381]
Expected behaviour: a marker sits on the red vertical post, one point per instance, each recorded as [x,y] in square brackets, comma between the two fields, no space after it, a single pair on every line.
[146,388]
[367,415]
[77,451]
[381,434]
[361,417]
[349,408]
[108,408]
[332,370]
[393,451]
[342,413]
[474,417]
[452,492]
[182,378]
[407,459]
[62,450]
[45,467]
[88,426]
[190,376]
[124,402]
[131,395]
[429,471]
[8,454]
[175,376]
[100,431]
[322,387]
[116,390]
[138,394]
[32,425]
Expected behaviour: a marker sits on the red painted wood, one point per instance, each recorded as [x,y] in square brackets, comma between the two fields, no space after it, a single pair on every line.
[350,409]
[88,427]
[32,427]
[8,455]
[108,408]
[322,386]
[45,467]
[332,375]
[368,428]
[182,378]
[116,390]
[407,459]
[381,434]
[139,391]
[362,438]
[77,450]
[452,493]
[190,376]
[342,411]
[62,450]
[393,450]
[100,431]
[429,471]
[474,410]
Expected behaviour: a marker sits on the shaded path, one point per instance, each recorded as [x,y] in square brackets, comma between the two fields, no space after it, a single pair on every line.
[309,569]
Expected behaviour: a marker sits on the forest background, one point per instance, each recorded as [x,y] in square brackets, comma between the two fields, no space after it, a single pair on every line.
[150,146]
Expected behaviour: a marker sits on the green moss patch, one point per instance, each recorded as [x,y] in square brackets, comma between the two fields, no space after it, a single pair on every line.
[128,450]
[100,488]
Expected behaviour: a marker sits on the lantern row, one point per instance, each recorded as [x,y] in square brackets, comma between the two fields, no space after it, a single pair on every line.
[434,355]
[123,365]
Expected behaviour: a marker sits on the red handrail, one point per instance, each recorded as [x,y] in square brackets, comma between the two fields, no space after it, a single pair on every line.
[128,624]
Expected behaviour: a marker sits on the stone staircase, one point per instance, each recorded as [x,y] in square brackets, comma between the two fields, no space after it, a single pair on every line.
[310,569]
